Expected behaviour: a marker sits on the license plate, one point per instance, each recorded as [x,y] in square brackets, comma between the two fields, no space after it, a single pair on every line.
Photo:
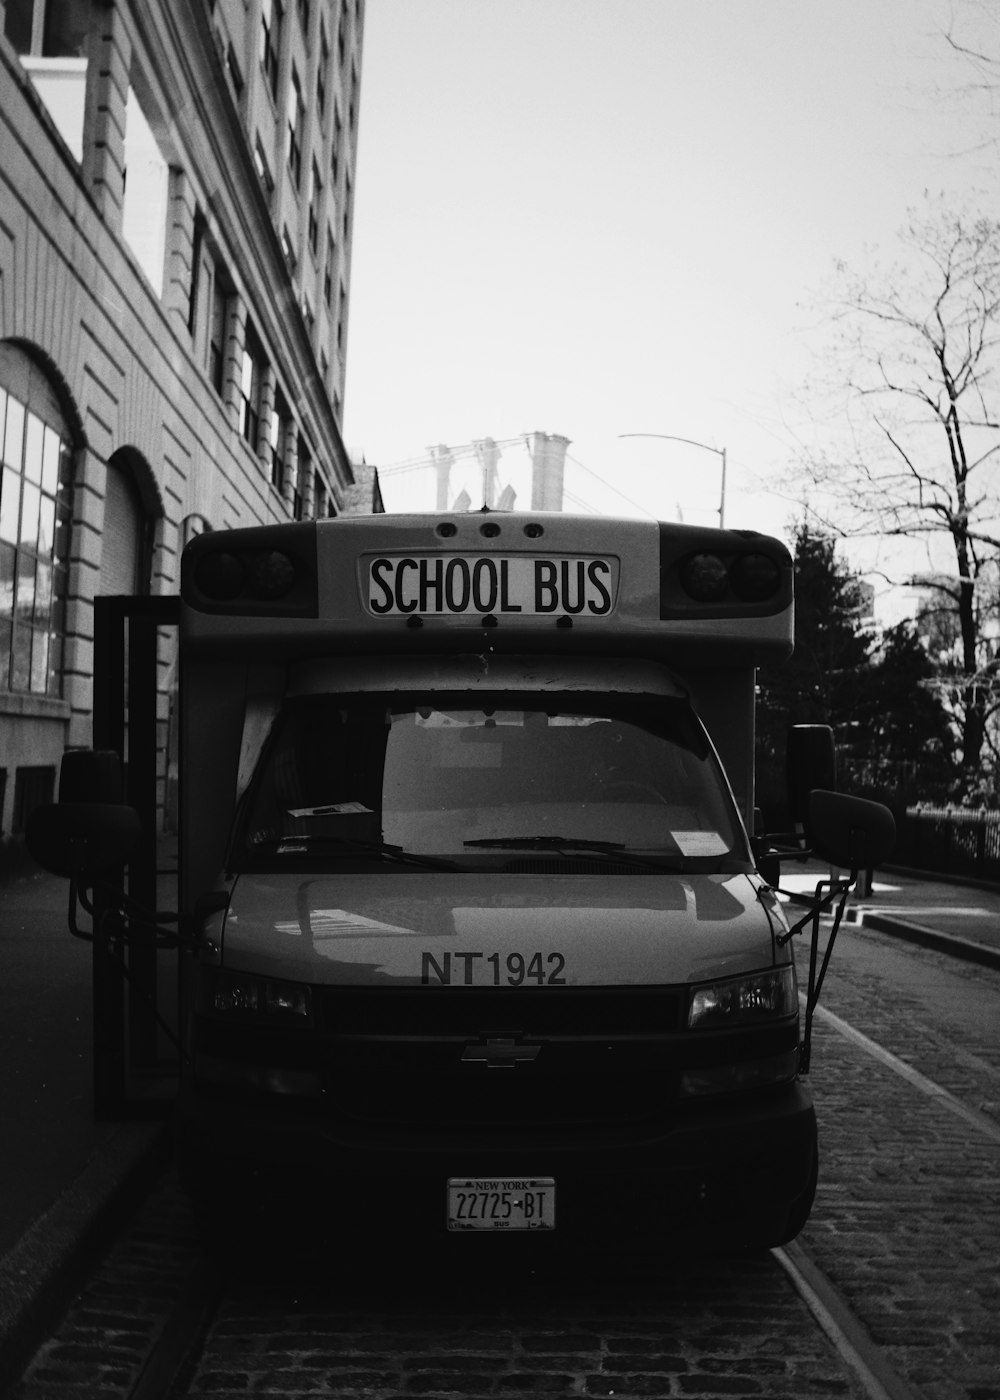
[510,1203]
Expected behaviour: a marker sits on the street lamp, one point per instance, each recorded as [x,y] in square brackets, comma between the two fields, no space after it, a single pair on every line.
[719,452]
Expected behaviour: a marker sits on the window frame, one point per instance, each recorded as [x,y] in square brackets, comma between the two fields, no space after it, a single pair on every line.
[296,120]
[252,369]
[272,16]
[36,466]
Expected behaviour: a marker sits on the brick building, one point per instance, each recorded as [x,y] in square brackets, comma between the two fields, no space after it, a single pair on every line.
[175,228]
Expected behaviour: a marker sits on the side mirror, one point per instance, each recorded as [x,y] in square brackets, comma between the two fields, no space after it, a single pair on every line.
[88,831]
[82,839]
[849,832]
[810,762]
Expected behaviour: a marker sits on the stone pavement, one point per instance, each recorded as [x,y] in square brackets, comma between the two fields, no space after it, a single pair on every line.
[65,1176]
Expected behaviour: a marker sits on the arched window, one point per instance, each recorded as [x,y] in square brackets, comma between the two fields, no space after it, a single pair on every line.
[127,536]
[35,513]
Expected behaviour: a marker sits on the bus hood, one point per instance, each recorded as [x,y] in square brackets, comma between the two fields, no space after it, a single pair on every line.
[431,929]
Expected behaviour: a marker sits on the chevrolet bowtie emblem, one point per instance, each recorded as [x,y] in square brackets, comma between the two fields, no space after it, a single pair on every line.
[501,1053]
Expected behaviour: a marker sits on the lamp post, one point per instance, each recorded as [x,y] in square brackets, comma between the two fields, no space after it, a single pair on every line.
[719,452]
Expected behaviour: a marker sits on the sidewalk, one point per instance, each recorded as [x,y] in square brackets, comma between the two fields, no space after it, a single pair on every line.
[960,919]
[65,1176]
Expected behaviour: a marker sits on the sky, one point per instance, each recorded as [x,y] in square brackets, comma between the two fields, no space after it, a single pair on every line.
[599,218]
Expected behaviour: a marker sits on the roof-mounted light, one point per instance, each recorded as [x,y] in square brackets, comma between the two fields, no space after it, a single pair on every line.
[220,575]
[256,572]
[754,577]
[705,578]
[708,573]
[258,576]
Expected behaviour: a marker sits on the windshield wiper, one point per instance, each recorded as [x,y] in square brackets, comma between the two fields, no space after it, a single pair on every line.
[616,849]
[548,842]
[348,846]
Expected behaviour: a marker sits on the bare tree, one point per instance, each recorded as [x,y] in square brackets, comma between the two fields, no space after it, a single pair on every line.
[974,37]
[916,356]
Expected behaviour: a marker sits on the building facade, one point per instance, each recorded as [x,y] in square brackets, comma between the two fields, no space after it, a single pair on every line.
[176,187]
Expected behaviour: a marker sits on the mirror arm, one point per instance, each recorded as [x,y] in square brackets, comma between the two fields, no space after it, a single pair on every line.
[115,950]
[826,893]
[77,896]
[837,919]
[120,903]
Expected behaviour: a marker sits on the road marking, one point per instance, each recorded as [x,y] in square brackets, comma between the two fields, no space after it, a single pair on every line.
[953,911]
[912,1076]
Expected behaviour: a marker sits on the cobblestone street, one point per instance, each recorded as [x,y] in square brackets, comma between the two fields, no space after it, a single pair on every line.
[905,1228]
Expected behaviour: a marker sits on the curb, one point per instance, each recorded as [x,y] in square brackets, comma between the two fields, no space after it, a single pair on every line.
[935,877]
[39,1275]
[950,943]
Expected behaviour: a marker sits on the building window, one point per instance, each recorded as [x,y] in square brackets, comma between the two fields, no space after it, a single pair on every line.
[319,497]
[328,270]
[251,383]
[197,277]
[233,69]
[280,419]
[342,318]
[296,125]
[309,316]
[62,29]
[144,209]
[263,169]
[51,41]
[34,786]
[315,195]
[218,326]
[34,547]
[304,14]
[338,137]
[352,113]
[288,249]
[304,477]
[322,70]
[342,38]
[270,42]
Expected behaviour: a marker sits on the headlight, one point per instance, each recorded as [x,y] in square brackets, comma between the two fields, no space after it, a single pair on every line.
[739,1001]
[240,995]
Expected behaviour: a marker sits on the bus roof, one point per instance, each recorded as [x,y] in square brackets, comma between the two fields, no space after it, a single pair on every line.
[490,580]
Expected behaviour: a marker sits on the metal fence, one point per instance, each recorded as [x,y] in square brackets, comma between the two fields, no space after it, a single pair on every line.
[950,841]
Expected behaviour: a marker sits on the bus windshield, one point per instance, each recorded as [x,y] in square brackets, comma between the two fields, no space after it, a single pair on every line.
[477,782]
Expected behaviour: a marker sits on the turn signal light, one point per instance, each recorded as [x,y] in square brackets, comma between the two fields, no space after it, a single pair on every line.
[733,1078]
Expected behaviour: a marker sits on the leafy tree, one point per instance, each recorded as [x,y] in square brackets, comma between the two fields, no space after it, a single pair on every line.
[825,682]
[916,356]
[908,721]
[906,751]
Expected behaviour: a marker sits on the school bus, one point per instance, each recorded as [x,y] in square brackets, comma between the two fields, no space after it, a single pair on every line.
[476,938]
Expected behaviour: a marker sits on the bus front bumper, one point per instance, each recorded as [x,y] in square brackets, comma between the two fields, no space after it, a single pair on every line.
[735,1167]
